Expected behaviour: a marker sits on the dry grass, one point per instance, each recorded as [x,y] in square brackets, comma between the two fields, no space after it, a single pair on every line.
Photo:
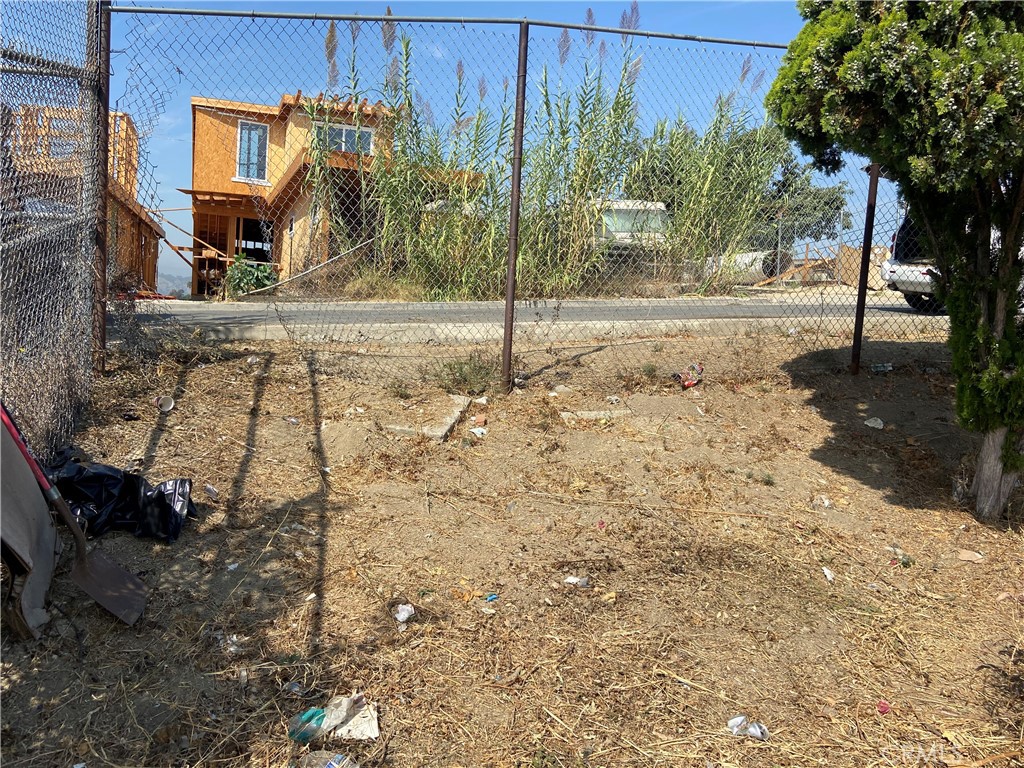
[708,597]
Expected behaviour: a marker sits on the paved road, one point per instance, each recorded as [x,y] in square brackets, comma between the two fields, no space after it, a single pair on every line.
[268,319]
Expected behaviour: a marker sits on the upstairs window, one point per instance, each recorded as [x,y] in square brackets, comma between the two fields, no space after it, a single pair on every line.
[252,151]
[344,138]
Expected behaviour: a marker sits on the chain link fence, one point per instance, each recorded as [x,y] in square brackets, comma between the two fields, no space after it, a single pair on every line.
[355,177]
[48,209]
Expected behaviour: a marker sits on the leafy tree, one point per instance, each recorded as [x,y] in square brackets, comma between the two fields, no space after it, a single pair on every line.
[807,211]
[935,93]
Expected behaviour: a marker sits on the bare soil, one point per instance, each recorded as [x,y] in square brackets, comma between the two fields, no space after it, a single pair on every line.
[739,539]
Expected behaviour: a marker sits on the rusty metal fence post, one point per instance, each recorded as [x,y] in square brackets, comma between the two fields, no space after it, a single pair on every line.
[865,264]
[513,222]
[98,32]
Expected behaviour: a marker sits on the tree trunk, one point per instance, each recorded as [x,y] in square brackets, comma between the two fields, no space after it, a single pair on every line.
[992,482]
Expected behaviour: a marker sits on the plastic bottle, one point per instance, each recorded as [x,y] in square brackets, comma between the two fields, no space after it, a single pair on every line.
[318,721]
[324,759]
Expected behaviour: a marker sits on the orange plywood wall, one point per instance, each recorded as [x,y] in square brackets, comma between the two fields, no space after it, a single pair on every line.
[215,151]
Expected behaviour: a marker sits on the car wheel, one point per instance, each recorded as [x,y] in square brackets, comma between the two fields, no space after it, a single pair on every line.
[923,302]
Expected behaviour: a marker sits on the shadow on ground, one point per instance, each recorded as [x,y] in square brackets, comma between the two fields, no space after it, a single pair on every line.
[221,595]
[916,457]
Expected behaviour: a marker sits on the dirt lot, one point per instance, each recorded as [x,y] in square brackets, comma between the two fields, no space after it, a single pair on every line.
[738,538]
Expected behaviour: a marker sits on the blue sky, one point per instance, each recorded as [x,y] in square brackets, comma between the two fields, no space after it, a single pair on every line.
[776,22]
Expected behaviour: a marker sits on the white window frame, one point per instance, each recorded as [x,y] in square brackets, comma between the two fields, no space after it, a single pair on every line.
[373,134]
[238,153]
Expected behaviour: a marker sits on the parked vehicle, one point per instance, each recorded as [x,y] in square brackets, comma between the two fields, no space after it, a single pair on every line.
[629,228]
[909,271]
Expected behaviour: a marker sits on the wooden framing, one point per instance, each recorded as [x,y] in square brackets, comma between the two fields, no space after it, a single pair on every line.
[47,144]
[222,199]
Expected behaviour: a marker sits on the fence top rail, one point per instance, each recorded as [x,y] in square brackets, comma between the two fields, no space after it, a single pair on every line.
[443,20]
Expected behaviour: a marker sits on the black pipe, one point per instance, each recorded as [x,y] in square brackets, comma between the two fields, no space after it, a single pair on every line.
[865,264]
[513,217]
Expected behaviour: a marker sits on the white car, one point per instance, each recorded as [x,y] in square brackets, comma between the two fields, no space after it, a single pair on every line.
[914,281]
[912,274]
[909,271]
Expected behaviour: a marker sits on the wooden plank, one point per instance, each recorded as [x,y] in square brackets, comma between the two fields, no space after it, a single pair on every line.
[800,269]
[186,232]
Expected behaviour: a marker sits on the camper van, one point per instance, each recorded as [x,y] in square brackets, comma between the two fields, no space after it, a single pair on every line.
[631,228]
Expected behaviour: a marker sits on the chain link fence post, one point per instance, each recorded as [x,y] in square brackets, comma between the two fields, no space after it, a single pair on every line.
[865,264]
[98,105]
[513,219]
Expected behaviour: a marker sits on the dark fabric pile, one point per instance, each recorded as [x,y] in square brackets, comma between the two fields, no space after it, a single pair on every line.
[105,498]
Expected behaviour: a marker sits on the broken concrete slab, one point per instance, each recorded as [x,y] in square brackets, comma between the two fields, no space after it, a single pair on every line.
[442,429]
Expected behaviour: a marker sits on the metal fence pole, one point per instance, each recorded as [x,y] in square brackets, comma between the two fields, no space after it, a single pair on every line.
[513,221]
[865,264]
[99,55]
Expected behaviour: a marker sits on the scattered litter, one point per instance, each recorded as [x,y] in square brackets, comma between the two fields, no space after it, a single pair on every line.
[164,403]
[829,575]
[872,586]
[614,400]
[478,431]
[823,501]
[901,559]
[741,726]
[583,582]
[884,707]
[296,689]
[325,470]
[609,597]
[562,389]
[1019,597]
[252,360]
[693,376]
[243,677]
[353,410]
[481,401]
[875,423]
[601,525]
[232,566]
[323,759]
[211,492]
[881,368]
[291,420]
[792,331]
[310,597]
[478,421]
[130,416]
[404,612]
[491,597]
[228,643]
[814,409]
[352,718]
[78,765]
[970,556]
